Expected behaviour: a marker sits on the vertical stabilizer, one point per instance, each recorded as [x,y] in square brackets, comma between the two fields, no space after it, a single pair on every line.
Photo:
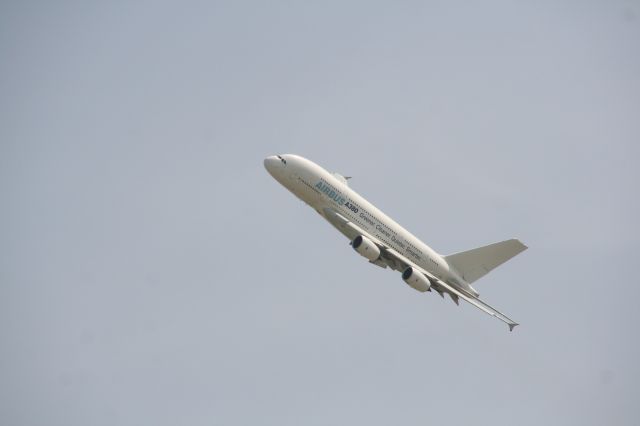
[476,263]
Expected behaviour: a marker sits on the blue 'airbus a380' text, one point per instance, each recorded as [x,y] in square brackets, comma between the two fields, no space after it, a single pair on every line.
[383,242]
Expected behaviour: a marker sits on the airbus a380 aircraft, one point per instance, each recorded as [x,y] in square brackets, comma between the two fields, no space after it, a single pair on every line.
[383,242]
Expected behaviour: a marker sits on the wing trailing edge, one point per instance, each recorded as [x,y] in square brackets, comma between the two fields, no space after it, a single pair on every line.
[399,262]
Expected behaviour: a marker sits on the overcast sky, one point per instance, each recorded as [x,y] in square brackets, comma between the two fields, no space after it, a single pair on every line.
[153,273]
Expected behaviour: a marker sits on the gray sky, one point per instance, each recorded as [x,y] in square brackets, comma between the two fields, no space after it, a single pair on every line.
[154,274]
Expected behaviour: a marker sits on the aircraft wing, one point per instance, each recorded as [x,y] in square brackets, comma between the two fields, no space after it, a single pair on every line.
[400,262]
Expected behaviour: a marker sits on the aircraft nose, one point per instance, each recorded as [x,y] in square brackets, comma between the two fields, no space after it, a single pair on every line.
[271,163]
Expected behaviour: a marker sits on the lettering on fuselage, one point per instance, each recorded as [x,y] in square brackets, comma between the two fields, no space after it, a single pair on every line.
[351,207]
[398,242]
[355,211]
[366,218]
[383,231]
[391,235]
[412,253]
[335,196]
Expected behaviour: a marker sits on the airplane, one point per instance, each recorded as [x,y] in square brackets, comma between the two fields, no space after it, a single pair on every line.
[385,243]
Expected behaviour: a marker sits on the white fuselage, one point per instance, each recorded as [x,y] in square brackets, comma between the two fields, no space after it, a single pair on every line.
[322,190]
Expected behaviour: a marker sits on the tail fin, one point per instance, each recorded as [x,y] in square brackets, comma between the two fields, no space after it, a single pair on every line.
[476,263]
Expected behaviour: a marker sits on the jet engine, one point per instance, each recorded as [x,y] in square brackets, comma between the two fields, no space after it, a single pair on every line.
[416,279]
[366,247]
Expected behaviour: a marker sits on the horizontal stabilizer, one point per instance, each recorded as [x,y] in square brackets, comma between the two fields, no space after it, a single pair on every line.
[476,263]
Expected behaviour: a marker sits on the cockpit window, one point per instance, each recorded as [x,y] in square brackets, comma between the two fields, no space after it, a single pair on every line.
[282,159]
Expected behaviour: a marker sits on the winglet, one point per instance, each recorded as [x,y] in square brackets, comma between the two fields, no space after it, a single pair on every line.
[512,325]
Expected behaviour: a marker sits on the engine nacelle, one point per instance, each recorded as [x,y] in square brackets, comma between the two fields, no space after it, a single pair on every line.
[366,247]
[416,279]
